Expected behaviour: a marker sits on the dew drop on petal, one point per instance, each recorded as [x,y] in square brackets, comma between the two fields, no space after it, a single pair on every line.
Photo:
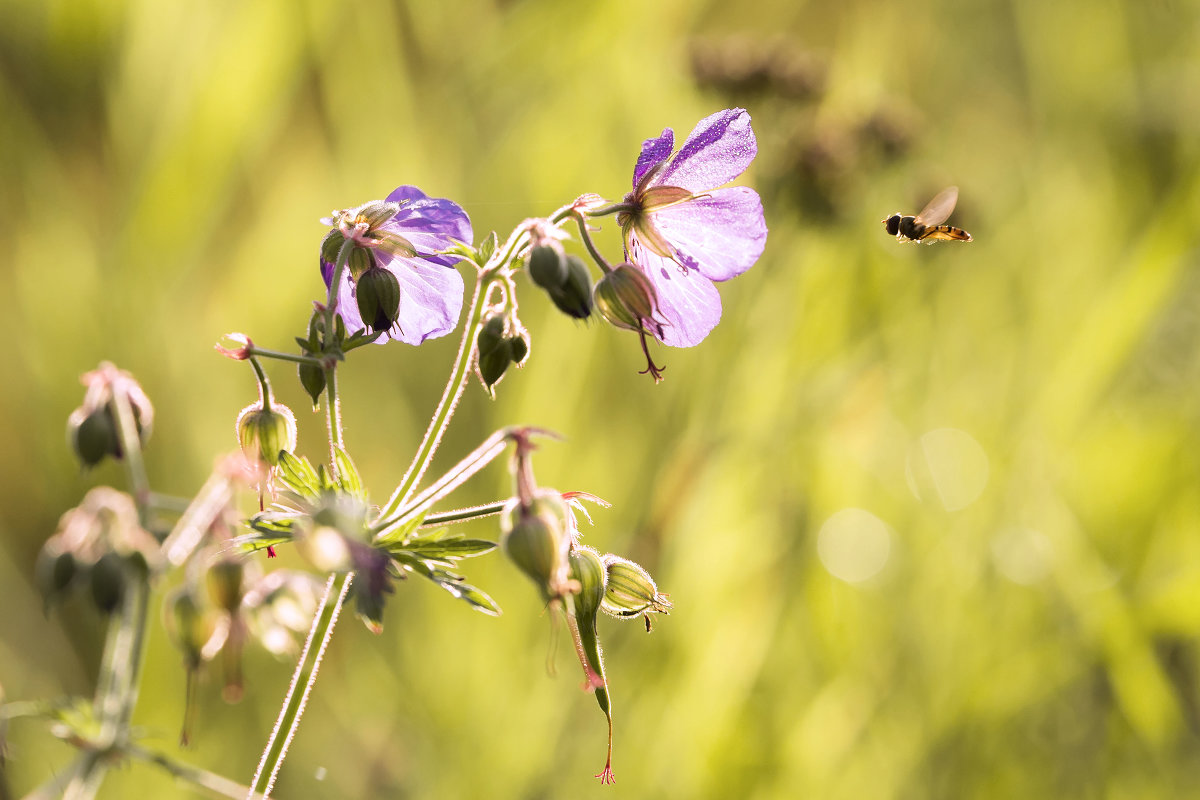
[854,545]
[1022,555]
[947,466]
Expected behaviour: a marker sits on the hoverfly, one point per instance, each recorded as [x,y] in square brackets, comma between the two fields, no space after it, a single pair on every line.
[927,226]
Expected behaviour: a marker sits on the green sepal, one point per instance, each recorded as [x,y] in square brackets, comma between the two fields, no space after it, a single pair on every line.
[298,475]
[659,197]
[395,245]
[348,477]
[487,249]
[361,260]
[379,212]
[331,246]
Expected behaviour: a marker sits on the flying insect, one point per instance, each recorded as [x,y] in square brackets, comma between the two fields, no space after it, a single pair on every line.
[927,226]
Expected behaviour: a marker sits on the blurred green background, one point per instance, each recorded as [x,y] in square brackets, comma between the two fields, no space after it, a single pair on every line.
[930,516]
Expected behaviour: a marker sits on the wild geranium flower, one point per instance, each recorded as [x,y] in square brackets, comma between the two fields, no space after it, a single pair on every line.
[398,244]
[684,232]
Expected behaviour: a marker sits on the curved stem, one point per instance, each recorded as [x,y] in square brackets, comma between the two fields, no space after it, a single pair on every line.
[264,386]
[304,676]
[586,237]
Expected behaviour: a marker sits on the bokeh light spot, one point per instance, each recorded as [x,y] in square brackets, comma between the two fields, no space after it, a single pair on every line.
[854,545]
[949,466]
[1022,555]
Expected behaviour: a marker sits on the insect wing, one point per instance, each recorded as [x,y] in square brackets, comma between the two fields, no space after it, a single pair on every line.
[939,208]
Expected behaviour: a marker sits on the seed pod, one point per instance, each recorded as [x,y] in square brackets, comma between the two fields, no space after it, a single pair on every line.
[625,297]
[535,538]
[587,568]
[264,433]
[630,590]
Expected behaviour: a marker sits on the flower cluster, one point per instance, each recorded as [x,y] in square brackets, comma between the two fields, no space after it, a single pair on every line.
[394,269]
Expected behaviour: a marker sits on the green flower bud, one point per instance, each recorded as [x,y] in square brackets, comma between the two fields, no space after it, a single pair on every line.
[493,364]
[264,433]
[625,297]
[378,295]
[548,266]
[93,436]
[630,590]
[574,296]
[107,580]
[54,571]
[519,345]
[494,351]
[224,580]
[312,378]
[535,538]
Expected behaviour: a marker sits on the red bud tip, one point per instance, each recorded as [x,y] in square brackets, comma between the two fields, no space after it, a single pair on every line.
[239,347]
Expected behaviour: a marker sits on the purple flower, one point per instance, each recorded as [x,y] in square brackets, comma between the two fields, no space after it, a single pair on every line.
[684,232]
[405,243]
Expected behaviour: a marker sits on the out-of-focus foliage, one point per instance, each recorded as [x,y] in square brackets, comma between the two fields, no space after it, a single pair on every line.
[929,516]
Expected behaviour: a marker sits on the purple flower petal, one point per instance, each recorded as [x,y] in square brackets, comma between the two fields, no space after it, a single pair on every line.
[654,152]
[431,290]
[431,297]
[688,304]
[719,148]
[430,301]
[429,223]
[721,234]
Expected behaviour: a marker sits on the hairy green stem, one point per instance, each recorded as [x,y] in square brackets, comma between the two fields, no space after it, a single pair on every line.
[264,385]
[333,415]
[303,678]
[463,514]
[278,355]
[453,391]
